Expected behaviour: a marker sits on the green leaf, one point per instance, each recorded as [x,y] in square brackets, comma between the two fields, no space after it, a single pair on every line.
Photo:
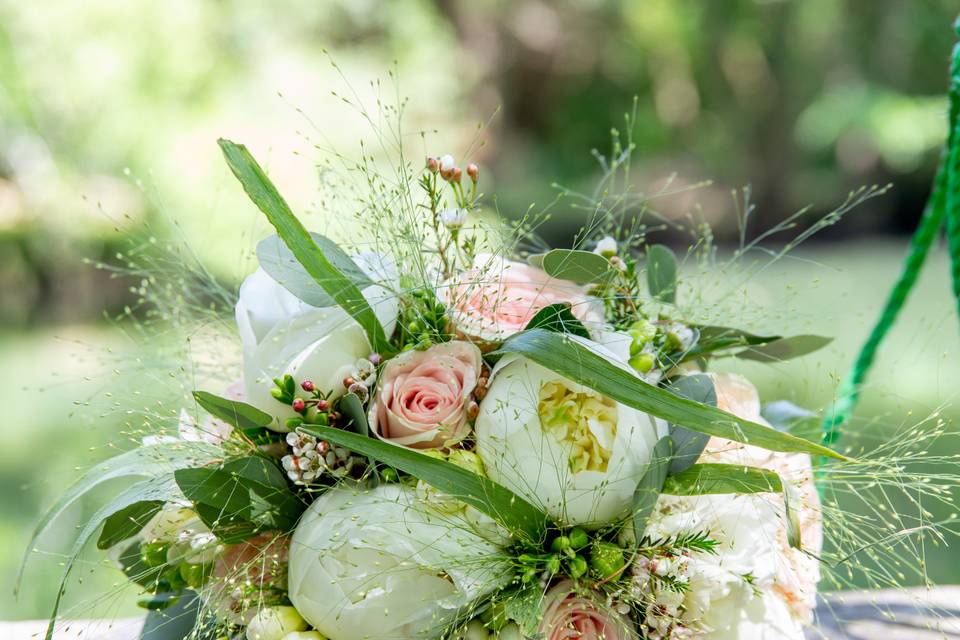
[559,318]
[160,489]
[785,348]
[351,407]
[127,522]
[648,489]
[687,444]
[578,362]
[154,460]
[714,338]
[582,267]
[233,412]
[783,415]
[320,267]
[662,273]
[703,479]
[498,502]
[281,265]
[792,517]
[241,497]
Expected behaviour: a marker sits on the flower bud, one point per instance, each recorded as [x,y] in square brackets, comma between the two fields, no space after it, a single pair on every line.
[578,538]
[560,543]
[606,247]
[273,623]
[447,163]
[453,218]
[606,559]
[473,171]
[433,165]
[298,405]
[577,567]
[307,385]
[642,362]
[456,175]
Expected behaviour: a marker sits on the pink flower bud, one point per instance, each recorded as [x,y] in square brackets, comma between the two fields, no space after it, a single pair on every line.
[307,385]
[457,173]
[473,171]
[433,165]
[299,405]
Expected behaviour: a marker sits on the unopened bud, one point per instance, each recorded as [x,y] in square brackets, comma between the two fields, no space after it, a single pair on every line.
[453,218]
[433,165]
[473,171]
[457,175]
[307,385]
[446,163]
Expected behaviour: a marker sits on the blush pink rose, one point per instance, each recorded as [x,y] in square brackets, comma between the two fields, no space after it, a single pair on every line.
[498,297]
[568,616]
[422,398]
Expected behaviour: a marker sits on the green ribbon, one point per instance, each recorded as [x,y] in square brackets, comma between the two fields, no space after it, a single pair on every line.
[944,203]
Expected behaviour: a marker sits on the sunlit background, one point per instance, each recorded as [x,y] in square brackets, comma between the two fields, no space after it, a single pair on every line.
[109,113]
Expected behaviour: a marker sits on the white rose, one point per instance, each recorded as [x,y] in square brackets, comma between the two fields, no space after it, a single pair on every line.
[283,335]
[377,564]
[274,623]
[575,453]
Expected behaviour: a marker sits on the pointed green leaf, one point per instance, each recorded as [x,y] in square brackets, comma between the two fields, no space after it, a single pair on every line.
[648,489]
[281,265]
[498,502]
[558,317]
[710,478]
[662,273]
[152,461]
[785,348]
[687,444]
[582,267]
[577,361]
[127,522]
[320,267]
[233,412]
[351,407]
[714,338]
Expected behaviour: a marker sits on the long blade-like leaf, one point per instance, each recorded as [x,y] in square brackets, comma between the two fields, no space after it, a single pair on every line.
[238,414]
[498,502]
[265,195]
[151,460]
[580,363]
[703,479]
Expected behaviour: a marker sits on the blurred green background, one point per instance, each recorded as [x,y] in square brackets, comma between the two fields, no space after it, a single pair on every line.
[109,112]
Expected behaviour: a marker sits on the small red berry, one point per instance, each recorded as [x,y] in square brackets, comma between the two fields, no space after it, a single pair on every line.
[307,385]
[299,405]
[323,405]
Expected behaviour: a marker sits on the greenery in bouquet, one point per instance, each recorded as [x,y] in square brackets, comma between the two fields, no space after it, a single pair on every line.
[443,428]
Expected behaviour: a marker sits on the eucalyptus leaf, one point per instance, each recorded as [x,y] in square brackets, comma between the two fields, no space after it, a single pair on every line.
[648,489]
[320,267]
[711,478]
[785,348]
[127,522]
[687,444]
[238,414]
[582,267]
[156,460]
[498,502]
[662,273]
[715,338]
[783,415]
[575,360]
[281,265]
[558,317]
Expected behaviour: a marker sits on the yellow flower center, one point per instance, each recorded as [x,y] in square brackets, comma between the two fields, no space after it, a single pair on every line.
[586,422]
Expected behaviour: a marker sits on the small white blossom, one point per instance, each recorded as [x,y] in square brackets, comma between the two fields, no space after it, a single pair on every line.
[453,218]
[447,163]
[606,247]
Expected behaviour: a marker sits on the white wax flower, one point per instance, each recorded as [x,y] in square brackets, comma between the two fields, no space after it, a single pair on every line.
[453,218]
[561,445]
[274,623]
[378,564]
[606,247]
[447,162]
[283,335]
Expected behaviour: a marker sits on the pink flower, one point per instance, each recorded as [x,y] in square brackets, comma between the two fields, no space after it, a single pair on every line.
[498,297]
[422,398]
[567,615]
[260,564]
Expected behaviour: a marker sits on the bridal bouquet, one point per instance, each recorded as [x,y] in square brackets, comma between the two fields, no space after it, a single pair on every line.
[447,431]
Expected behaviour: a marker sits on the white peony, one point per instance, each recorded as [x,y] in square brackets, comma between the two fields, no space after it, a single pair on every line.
[377,564]
[575,453]
[281,335]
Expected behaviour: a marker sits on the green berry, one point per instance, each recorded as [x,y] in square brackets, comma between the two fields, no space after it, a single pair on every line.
[577,567]
[578,538]
[606,559]
[553,564]
[643,362]
[194,574]
[389,474]
[560,543]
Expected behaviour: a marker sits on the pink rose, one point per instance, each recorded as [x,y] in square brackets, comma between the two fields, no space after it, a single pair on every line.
[421,401]
[498,297]
[567,615]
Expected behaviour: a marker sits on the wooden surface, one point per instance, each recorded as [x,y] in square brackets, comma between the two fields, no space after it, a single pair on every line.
[914,614]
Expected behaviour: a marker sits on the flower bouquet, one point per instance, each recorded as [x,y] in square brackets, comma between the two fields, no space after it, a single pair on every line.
[446,430]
